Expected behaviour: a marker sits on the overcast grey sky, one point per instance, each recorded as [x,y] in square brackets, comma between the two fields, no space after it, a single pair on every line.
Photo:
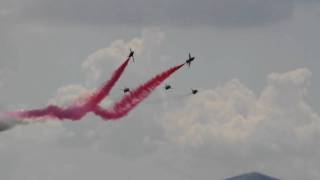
[257,68]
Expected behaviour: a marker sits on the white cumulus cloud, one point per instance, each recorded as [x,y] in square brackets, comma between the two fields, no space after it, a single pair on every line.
[239,127]
[119,49]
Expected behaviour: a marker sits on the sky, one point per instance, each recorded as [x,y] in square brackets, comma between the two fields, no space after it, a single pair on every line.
[256,67]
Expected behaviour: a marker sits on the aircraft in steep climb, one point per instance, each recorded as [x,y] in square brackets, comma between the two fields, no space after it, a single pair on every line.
[131,54]
[188,61]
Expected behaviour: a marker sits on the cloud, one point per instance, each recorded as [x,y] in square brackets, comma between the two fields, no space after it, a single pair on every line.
[7,52]
[70,94]
[231,125]
[166,12]
[214,114]
[218,133]
[150,39]
[118,49]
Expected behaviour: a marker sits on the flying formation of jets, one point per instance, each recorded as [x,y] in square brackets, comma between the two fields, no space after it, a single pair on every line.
[167,87]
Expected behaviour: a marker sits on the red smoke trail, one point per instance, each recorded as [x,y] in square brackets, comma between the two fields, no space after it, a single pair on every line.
[76,111]
[118,110]
[100,94]
[130,101]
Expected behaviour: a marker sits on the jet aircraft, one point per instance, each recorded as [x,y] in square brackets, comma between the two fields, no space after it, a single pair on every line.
[194,91]
[131,54]
[125,90]
[167,87]
[188,61]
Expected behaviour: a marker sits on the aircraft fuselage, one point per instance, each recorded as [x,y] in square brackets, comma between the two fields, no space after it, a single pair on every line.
[190,60]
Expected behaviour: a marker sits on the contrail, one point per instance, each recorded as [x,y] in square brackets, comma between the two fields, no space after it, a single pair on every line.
[130,101]
[77,110]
